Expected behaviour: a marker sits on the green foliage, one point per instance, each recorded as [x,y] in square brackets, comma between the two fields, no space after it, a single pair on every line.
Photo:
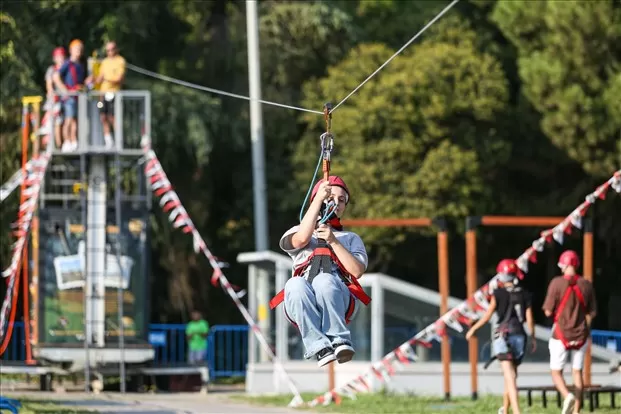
[569,62]
[508,107]
[15,74]
[391,403]
[410,140]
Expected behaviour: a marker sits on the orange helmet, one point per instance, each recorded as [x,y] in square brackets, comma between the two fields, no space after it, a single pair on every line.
[508,267]
[75,42]
[333,180]
[568,258]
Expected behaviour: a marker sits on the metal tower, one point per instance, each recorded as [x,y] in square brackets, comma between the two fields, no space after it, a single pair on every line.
[92,293]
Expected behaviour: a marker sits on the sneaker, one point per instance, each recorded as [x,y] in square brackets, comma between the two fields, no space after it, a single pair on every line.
[501,410]
[325,356]
[568,404]
[44,130]
[109,141]
[344,353]
[65,147]
[74,146]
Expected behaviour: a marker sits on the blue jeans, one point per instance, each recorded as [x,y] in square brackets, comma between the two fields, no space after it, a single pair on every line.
[70,107]
[318,310]
[510,348]
[195,357]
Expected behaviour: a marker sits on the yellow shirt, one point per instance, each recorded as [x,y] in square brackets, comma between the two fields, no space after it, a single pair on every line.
[112,70]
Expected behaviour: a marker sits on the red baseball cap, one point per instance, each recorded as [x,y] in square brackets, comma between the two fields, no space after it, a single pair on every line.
[59,51]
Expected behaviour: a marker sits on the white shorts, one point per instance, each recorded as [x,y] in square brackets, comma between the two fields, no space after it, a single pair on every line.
[558,355]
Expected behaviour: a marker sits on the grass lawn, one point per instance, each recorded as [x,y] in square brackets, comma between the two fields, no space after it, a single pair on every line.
[38,406]
[382,403]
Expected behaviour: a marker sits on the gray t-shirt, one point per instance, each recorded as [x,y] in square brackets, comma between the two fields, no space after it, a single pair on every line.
[351,241]
[50,72]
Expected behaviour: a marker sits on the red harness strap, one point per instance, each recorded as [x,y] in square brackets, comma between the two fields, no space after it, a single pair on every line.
[572,288]
[318,256]
[74,74]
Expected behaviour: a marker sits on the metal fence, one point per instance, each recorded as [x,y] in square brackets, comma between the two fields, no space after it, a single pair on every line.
[227,347]
[607,339]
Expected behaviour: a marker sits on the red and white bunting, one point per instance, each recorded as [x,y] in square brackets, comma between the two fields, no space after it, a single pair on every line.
[14,181]
[471,310]
[180,219]
[35,173]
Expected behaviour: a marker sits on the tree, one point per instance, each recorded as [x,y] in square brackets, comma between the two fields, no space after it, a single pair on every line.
[570,63]
[411,142]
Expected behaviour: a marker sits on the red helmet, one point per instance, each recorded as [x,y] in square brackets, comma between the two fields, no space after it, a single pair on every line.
[508,267]
[59,51]
[568,258]
[333,180]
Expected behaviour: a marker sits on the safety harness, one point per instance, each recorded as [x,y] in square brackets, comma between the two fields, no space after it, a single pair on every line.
[321,260]
[323,257]
[572,288]
[502,329]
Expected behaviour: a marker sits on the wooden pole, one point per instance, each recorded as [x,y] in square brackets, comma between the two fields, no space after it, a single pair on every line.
[388,222]
[520,221]
[471,287]
[331,379]
[443,287]
[587,268]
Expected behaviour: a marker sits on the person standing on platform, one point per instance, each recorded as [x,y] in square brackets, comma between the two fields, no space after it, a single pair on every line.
[69,78]
[110,78]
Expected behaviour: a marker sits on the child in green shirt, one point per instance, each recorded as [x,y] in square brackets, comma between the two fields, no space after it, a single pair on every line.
[196,332]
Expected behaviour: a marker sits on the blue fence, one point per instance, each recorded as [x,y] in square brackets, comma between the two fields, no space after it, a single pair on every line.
[16,350]
[607,339]
[227,347]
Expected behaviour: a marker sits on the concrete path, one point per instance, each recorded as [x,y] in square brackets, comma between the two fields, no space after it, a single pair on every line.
[183,403]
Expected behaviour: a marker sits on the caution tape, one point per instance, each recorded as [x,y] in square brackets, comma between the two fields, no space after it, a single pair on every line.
[465,314]
[33,181]
[12,183]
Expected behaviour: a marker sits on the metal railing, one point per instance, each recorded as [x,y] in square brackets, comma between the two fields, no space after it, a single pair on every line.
[227,347]
[16,350]
[132,119]
[607,339]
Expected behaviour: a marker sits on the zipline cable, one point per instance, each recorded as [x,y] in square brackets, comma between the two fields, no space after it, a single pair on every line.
[170,79]
[212,90]
[416,36]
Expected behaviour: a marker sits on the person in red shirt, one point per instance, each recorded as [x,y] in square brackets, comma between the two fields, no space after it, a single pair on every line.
[571,300]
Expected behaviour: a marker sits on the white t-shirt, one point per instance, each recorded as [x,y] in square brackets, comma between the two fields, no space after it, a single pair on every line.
[351,241]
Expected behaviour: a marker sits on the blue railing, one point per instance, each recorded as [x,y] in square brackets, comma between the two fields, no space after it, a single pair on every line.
[227,351]
[227,347]
[607,339]
[16,349]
